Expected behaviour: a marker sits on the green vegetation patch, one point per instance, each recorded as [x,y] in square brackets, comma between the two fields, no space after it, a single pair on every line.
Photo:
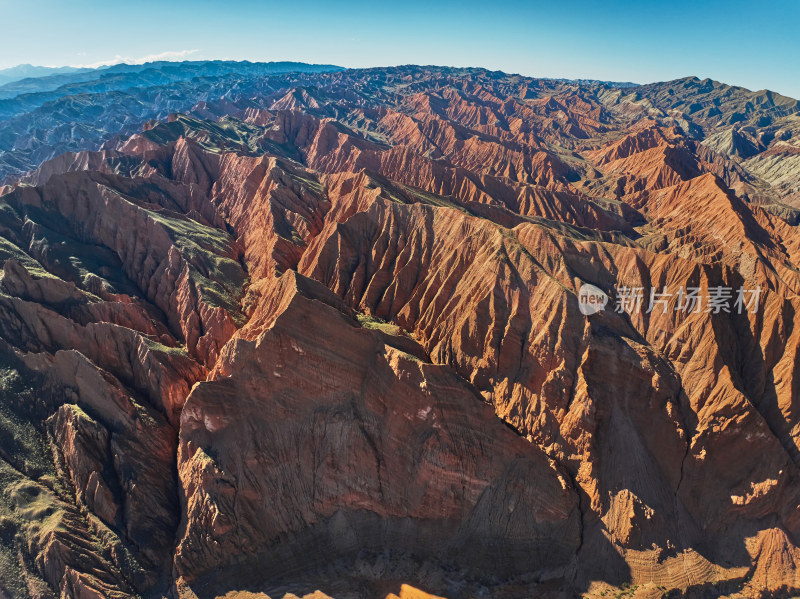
[10,250]
[373,322]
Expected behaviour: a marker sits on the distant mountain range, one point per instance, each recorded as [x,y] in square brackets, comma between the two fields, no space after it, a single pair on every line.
[22,71]
[69,80]
[43,116]
[60,110]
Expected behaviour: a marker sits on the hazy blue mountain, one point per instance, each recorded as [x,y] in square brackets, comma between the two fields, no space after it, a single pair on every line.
[24,71]
[29,93]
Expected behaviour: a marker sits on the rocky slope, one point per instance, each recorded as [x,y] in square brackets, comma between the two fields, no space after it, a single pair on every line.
[324,333]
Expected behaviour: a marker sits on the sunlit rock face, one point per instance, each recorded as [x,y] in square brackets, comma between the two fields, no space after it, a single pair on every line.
[326,337]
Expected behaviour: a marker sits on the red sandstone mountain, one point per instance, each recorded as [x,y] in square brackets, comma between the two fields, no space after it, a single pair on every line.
[335,343]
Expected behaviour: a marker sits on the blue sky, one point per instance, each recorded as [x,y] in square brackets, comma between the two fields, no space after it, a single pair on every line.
[754,44]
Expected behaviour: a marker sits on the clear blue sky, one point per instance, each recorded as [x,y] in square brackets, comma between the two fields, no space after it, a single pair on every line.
[754,44]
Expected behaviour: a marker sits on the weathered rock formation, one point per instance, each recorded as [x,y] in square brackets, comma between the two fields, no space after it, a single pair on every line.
[330,338]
